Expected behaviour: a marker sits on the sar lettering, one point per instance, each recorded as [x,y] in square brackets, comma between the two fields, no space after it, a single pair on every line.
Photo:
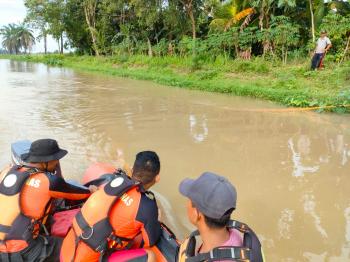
[127,199]
[33,182]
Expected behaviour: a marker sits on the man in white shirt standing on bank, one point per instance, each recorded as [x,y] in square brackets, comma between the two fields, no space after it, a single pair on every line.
[322,46]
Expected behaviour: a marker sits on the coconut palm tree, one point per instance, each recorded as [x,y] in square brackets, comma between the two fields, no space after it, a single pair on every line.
[25,37]
[9,35]
[17,37]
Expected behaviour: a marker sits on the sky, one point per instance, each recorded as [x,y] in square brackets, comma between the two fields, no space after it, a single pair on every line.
[13,11]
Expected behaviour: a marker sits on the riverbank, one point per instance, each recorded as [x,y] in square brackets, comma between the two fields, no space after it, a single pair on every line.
[291,85]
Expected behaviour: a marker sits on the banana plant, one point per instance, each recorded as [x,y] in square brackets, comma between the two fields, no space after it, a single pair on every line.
[229,14]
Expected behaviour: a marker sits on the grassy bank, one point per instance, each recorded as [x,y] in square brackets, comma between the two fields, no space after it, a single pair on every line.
[290,85]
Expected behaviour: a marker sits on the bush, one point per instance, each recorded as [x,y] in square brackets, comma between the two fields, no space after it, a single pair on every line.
[198,61]
[345,71]
[54,60]
[120,59]
[207,75]
[161,48]
[256,66]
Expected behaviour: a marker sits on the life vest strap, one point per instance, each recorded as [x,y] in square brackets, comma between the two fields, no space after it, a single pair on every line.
[118,243]
[94,236]
[239,226]
[250,251]
[222,253]
[21,227]
[5,229]
[99,234]
[84,226]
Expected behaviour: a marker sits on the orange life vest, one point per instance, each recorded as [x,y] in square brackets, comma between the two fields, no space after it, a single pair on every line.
[92,225]
[14,225]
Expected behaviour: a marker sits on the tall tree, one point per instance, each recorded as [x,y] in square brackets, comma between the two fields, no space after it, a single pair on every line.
[90,17]
[55,11]
[175,21]
[194,9]
[76,31]
[312,20]
[48,16]
[148,16]
[189,6]
[37,18]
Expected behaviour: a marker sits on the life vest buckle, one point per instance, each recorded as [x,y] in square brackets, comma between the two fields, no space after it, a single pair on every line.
[101,248]
[89,236]
[211,253]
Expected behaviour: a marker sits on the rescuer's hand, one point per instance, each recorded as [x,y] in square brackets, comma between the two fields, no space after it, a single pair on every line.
[159,214]
[93,188]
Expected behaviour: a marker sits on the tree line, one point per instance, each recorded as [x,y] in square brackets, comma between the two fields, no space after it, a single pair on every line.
[203,28]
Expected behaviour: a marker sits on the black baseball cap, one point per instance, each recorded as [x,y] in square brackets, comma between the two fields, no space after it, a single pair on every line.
[43,150]
[213,195]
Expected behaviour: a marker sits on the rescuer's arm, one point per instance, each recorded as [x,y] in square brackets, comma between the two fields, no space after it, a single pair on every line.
[148,216]
[59,188]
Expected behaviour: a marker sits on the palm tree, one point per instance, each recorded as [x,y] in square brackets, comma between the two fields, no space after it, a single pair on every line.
[9,35]
[16,37]
[25,37]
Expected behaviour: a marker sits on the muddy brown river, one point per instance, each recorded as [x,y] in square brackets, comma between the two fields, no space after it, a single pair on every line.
[291,169]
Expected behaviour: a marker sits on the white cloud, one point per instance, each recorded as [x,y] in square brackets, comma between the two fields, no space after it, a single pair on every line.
[11,11]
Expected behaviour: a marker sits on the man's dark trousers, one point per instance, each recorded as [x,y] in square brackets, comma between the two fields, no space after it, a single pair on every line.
[316,59]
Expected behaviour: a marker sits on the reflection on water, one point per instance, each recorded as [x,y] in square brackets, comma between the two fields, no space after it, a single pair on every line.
[309,207]
[199,131]
[299,169]
[284,223]
[344,254]
[128,120]
[291,170]
[345,249]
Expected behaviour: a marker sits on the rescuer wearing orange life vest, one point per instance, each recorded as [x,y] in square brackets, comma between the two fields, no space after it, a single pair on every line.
[115,214]
[26,194]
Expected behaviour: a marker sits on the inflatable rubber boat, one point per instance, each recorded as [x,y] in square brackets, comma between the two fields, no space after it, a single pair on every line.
[97,174]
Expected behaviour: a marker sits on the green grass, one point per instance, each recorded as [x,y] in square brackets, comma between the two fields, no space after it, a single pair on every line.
[290,85]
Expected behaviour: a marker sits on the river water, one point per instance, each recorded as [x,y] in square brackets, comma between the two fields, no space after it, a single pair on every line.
[291,169]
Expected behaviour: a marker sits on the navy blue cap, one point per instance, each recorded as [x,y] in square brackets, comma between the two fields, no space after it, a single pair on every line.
[213,195]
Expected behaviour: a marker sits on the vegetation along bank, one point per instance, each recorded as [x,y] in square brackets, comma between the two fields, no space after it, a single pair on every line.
[292,85]
[255,48]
